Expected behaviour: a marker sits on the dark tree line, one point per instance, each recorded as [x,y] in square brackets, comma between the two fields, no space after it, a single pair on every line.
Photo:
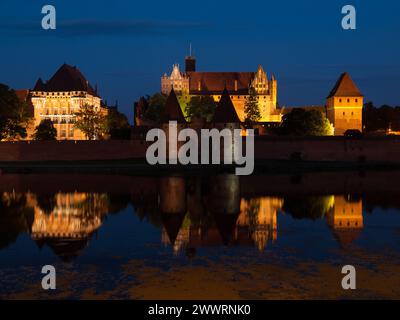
[14,115]
[382,118]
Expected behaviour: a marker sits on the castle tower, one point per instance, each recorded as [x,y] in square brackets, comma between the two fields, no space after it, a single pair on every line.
[173,110]
[225,117]
[225,114]
[260,82]
[190,62]
[274,91]
[173,116]
[177,81]
[172,204]
[346,219]
[344,106]
[223,202]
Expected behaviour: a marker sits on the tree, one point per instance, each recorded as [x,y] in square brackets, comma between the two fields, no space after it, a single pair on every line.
[309,207]
[14,115]
[45,131]
[15,217]
[91,122]
[118,125]
[201,107]
[156,108]
[300,122]
[251,108]
[382,118]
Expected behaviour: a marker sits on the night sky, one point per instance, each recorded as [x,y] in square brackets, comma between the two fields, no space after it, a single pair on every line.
[126,46]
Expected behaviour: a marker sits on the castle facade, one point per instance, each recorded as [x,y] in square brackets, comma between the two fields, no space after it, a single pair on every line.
[60,98]
[193,83]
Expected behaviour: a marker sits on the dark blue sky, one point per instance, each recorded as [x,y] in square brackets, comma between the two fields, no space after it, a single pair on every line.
[126,46]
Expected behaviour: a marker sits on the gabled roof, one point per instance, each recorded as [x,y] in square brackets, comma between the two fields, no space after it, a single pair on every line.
[225,111]
[215,82]
[345,87]
[173,111]
[67,78]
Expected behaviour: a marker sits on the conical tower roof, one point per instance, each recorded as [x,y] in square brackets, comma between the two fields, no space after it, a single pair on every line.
[225,111]
[345,87]
[173,111]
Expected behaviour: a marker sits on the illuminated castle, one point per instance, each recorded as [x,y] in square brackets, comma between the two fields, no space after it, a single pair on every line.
[259,217]
[344,106]
[193,83]
[60,98]
[346,219]
[66,221]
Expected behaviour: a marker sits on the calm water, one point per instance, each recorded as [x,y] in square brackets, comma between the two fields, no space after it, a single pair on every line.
[200,237]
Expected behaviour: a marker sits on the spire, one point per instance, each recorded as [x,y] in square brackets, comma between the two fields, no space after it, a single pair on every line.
[173,111]
[225,111]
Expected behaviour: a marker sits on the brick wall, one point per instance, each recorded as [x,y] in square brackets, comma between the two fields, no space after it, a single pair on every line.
[374,149]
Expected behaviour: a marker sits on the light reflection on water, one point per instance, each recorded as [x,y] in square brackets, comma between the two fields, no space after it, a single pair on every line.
[97,229]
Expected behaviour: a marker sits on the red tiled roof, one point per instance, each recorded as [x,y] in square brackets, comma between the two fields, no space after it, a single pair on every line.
[215,82]
[67,78]
[345,87]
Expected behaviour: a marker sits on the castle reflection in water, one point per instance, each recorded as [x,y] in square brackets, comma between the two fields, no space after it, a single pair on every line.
[191,212]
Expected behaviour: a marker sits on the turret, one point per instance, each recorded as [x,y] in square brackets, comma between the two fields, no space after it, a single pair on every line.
[344,105]
[190,62]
